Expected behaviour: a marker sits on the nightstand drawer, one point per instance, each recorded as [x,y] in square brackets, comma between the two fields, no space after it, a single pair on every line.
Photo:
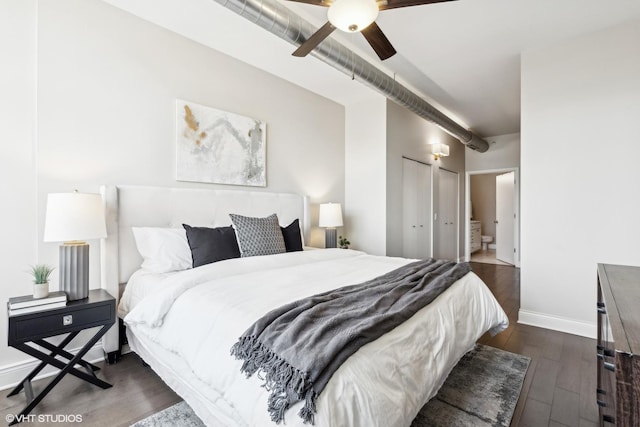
[56,322]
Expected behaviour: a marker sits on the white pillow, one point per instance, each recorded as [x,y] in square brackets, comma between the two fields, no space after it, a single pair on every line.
[163,249]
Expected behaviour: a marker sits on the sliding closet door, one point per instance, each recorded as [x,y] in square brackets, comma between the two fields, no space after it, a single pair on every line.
[416,209]
[447,215]
[409,208]
[423,196]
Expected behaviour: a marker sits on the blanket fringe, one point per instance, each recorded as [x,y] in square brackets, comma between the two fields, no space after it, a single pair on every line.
[309,409]
[286,383]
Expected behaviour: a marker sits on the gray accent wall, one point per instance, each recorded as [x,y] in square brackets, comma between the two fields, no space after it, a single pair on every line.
[410,135]
[379,133]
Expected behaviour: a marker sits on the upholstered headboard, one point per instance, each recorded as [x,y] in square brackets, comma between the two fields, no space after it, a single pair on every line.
[141,206]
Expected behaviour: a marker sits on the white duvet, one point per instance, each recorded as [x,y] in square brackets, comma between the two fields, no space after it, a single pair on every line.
[196,316]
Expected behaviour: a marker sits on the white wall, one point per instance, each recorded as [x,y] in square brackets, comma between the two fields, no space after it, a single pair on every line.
[17,163]
[365,175]
[106,88]
[504,152]
[580,174]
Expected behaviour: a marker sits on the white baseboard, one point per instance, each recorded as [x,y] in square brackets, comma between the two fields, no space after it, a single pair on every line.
[557,323]
[11,375]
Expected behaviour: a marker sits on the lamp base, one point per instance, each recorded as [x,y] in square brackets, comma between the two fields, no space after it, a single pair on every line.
[330,240]
[74,270]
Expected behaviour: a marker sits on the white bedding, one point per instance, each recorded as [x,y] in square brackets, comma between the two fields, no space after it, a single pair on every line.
[193,318]
[141,284]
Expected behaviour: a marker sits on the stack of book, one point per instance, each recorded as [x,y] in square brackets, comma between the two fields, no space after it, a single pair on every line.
[27,304]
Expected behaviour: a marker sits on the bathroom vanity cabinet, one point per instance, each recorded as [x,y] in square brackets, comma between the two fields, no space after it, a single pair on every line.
[618,345]
[476,236]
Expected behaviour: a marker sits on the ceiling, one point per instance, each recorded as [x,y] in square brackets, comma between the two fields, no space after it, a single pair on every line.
[463,56]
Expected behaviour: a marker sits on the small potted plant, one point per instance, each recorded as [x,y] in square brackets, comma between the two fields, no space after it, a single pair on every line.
[41,273]
[343,242]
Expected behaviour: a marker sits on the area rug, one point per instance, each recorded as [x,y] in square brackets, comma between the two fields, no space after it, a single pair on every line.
[482,390]
[178,415]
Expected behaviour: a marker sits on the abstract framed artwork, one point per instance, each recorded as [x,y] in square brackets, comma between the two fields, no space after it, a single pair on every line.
[216,146]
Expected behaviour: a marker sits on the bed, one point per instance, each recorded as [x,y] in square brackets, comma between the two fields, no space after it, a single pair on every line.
[183,323]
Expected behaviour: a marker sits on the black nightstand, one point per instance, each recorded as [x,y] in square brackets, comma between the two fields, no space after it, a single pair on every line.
[99,309]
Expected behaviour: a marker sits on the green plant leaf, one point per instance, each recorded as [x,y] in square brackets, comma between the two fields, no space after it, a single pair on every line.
[41,273]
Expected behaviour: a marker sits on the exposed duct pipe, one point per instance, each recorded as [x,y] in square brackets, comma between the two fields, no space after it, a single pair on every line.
[282,22]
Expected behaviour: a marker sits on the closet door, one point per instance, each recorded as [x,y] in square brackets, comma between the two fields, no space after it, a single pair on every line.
[447,215]
[416,209]
[423,198]
[409,208]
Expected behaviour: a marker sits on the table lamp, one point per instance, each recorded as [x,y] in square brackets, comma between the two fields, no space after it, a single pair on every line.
[330,218]
[72,218]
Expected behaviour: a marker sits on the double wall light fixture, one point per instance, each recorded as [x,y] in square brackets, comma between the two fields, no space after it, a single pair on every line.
[439,150]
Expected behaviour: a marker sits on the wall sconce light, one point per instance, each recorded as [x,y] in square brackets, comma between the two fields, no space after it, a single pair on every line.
[439,150]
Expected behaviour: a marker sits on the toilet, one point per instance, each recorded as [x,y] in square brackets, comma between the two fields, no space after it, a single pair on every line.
[485,242]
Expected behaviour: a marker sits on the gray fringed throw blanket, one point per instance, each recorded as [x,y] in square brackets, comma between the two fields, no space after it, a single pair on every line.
[300,345]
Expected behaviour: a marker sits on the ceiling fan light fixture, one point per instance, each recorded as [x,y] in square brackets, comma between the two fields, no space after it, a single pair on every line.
[352,15]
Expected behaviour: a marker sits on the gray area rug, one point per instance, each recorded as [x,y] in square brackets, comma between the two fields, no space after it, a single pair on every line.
[178,415]
[482,390]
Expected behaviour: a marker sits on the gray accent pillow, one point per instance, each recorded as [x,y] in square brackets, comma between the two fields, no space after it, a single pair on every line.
[258,236]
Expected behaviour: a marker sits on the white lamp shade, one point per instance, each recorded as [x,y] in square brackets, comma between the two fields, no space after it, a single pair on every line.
[74,216]
[352,15]
[330,215]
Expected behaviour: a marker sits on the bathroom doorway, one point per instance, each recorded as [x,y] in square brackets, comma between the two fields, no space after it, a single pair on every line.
[493,220]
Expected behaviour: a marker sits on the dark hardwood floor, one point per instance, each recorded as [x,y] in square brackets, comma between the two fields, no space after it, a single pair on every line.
[559,389]
[137,392]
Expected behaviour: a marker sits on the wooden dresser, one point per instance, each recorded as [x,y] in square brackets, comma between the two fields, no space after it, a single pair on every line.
[618,345]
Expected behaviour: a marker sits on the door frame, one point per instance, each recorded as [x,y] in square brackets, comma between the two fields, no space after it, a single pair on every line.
[467,210]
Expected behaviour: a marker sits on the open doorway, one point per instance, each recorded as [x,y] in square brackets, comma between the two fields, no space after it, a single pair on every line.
[492,217]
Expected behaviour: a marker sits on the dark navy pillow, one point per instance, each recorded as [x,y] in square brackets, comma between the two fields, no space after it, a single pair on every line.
[291,235]
[211,244]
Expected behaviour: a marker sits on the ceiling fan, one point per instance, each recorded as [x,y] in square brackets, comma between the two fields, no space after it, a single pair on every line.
[357,16]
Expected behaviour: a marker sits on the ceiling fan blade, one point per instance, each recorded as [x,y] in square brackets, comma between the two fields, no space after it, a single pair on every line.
[325,3]
[378,41]
[394,4]
[315,39]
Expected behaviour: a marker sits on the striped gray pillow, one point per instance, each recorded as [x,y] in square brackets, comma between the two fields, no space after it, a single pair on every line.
[258,236]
